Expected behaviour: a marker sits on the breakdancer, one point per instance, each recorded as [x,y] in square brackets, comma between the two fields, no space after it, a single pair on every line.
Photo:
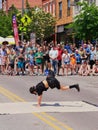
[49,82]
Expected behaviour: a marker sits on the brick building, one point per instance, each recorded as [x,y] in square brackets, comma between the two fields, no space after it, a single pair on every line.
[64,15]
[63,11]
[6,4]
[49,6]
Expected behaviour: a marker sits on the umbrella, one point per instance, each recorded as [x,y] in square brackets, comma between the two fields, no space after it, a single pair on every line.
[10,40]
[5,43]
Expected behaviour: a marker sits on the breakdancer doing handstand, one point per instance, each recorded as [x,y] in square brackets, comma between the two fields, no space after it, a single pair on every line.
[49,82]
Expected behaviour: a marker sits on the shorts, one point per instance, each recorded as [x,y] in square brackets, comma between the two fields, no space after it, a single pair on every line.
[20,64]
[31,63]
[38,64]
[11,65]
[78,63]
[67,62]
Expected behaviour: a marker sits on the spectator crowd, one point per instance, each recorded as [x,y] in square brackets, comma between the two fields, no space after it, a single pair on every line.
[35,59]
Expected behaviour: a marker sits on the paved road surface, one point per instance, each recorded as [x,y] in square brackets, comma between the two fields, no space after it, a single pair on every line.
[68,110]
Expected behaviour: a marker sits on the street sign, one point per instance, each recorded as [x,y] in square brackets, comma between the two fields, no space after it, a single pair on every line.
[26,20]
[33,37]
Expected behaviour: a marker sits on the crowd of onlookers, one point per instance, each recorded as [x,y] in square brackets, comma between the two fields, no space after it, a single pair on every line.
[35,59]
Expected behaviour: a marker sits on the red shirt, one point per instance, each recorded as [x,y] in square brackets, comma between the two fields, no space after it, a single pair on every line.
[60,52]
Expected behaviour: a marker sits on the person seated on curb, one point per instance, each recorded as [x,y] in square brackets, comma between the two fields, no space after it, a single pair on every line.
[95,68]
[49,82]
[84,69]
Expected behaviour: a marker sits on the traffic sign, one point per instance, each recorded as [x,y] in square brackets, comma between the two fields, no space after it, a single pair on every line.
[26,20]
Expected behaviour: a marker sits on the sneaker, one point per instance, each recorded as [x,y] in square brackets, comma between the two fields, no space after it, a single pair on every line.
[77,87]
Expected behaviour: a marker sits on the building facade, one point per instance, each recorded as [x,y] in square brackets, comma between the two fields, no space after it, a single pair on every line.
[49,6]
[64,16]
[62,10]
[76,8]
[6,4]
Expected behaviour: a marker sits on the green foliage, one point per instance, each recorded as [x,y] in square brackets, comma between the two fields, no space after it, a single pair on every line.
[85,24]
[6,22]
[41,23]
[28,9]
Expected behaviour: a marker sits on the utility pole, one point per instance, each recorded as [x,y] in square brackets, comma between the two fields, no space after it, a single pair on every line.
[22,16]
[22,7]
[0,4]
[55,24]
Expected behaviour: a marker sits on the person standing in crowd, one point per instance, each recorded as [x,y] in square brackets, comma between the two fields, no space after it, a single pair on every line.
[46,58]
[53,54]
[59,58]
[3,58]
[73,63]
[96,52]
[38,61]
[11,62]
[92,57]
[67,47]
[82,54]
[20,60]
[31,62]
[78,60]
[87,50]
[65,62]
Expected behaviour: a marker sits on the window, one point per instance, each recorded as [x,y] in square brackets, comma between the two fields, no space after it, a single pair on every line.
[77,7]
[68,3]
[60,9]
[51,7]
[91,1]
[76,0]
[68,7]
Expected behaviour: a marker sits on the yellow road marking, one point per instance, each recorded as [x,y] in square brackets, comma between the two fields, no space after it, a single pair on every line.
[55,120]
[13,97]
[46,121]
[10,95]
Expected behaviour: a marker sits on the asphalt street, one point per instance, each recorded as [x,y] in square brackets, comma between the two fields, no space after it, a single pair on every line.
[60,110]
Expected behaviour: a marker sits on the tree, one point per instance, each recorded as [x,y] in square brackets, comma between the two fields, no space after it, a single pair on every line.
[42,23]
[85,25]
[6,22]
[24,28]
[5,25]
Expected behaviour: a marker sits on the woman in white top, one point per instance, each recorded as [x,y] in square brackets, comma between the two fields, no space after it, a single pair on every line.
[3,59]
[65,61]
